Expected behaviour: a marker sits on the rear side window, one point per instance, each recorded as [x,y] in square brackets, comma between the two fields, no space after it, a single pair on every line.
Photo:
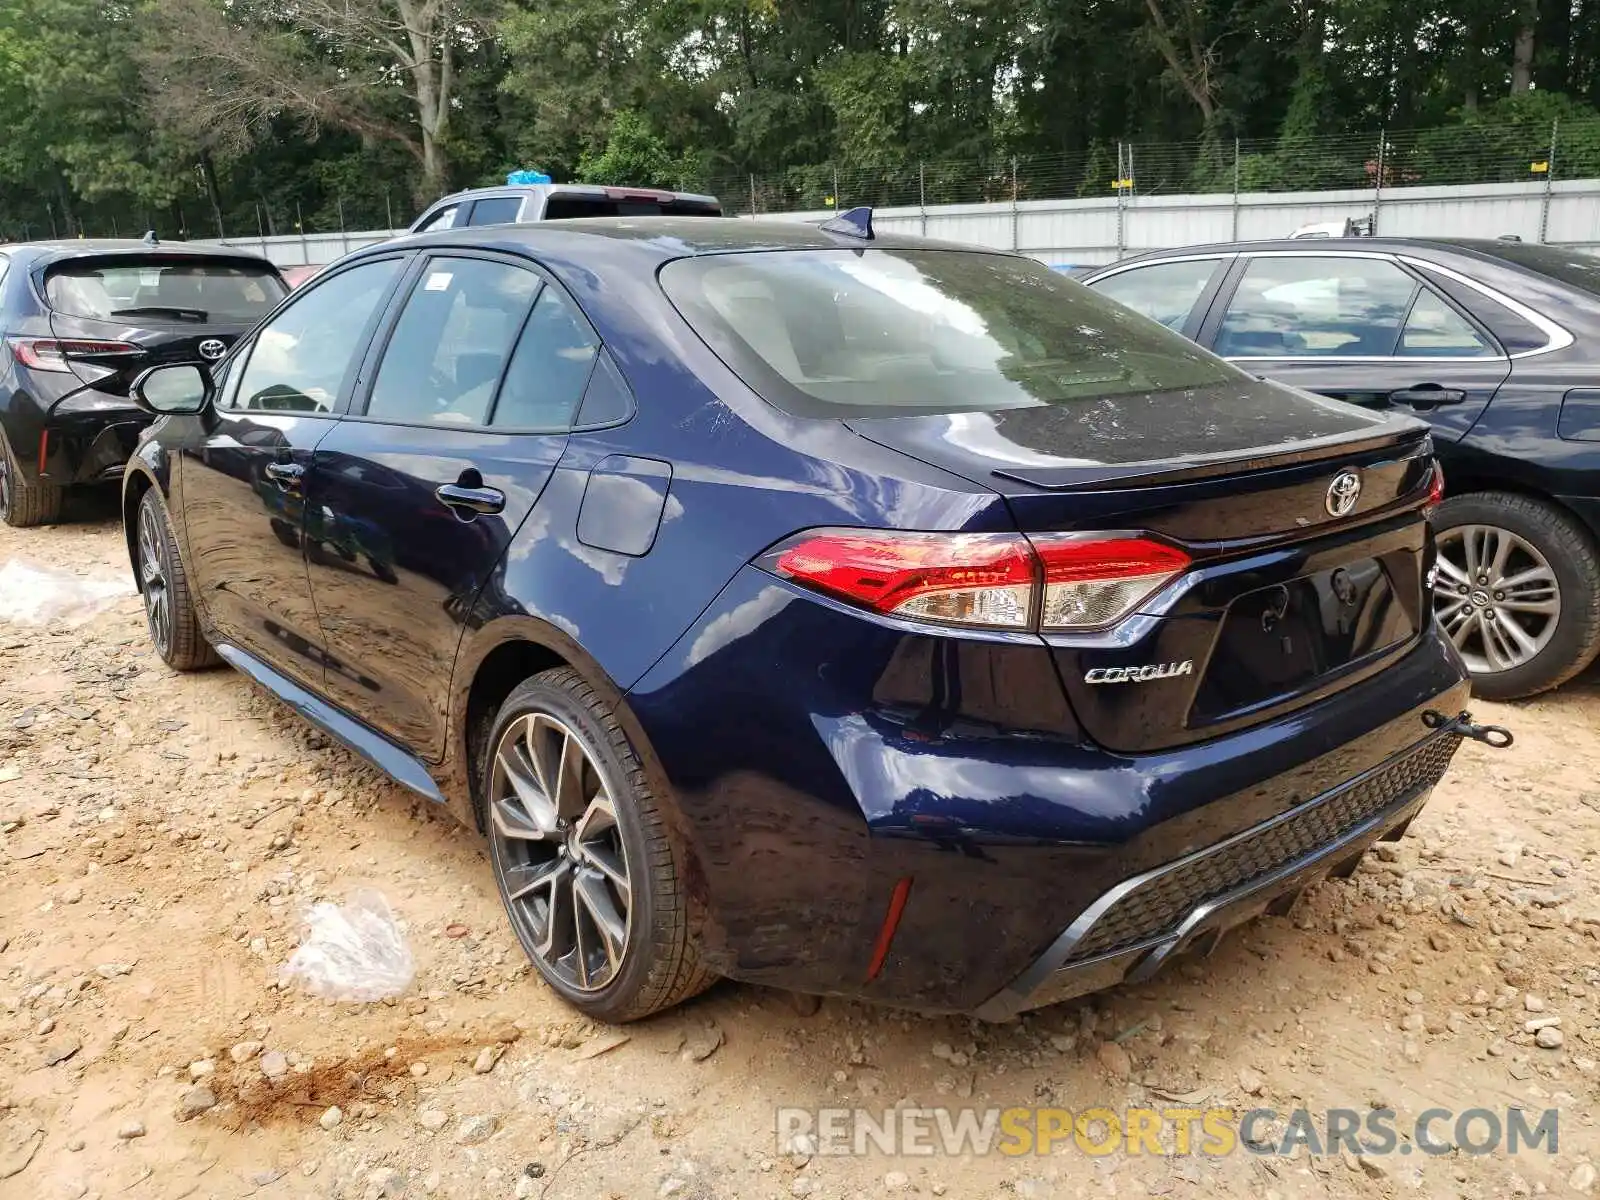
[450,346]
[559,207]
[1435,330]
[550,369]
[498,210]
[1517,334]
[163,291]
[1314,307]
[1164,292]
[887,332]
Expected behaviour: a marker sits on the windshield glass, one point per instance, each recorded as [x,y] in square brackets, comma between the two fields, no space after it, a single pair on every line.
[890,332]
[164,292]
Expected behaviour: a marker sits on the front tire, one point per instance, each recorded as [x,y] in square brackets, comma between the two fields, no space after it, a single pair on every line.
[588,870]
[168,604]
[24,503]
[1517,590]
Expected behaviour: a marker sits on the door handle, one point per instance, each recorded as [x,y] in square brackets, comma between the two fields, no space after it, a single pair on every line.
[469,502]
[286,475]
[1426,396]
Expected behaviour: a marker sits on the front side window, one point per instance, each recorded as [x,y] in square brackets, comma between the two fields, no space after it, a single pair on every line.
[894,332]
[1164,292]
[1435,330]
[1308,307]
[301,358]
[165,291]
[450,346]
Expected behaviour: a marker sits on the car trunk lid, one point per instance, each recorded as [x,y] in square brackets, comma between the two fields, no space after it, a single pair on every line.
[1296,589]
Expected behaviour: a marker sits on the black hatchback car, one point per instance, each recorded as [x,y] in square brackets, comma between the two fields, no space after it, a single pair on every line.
[80,320]
[1495,344]
[852,614]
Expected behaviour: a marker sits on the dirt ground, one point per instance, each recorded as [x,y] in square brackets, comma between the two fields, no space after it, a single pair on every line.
[161,838]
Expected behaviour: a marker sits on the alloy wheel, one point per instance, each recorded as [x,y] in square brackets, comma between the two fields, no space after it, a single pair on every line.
[153,578]
[566,871]
[1495,595]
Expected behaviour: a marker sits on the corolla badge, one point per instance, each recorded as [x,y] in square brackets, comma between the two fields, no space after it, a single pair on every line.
[212,349]
[1343,493]
[1147,673]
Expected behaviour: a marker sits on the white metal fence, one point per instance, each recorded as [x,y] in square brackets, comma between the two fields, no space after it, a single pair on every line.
[1104,229]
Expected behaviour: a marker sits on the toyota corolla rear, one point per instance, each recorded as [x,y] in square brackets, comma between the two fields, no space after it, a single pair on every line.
[1180,668]
[86,324]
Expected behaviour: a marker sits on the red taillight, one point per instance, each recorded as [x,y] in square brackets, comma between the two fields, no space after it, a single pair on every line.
[54,354]
[987,580]
[1435,489]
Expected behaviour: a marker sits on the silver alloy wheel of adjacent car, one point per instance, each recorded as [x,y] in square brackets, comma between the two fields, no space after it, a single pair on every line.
[1495,595]
[567,873]
[153,579]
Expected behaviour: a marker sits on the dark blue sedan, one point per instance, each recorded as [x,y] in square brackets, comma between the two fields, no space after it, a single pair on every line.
[860,615]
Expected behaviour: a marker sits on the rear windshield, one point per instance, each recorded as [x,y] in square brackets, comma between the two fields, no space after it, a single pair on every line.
[165,292]
[559,207]
[889,332]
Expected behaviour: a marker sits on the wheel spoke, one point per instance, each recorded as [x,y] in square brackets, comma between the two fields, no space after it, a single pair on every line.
[579,942]
[530,815]
[1513,632]
[1499,547]
[555,937]
[1448,568]
[1537,578]
[1463,627]
[595,896]
[1515,604]
[543,878]
[570,767]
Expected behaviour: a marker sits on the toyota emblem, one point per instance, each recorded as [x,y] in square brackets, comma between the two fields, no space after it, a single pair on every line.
[1343,493]
[214,348]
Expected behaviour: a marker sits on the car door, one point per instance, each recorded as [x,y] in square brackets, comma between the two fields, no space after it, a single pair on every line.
[1175,291]
[244,481]
[1361,327]
[416,494]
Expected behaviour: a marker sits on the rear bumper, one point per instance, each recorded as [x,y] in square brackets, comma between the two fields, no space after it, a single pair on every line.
[819,758]
[91,446]
[1132,930]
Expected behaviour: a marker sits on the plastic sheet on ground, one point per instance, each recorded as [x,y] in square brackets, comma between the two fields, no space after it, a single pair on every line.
[31,594]
[353,951]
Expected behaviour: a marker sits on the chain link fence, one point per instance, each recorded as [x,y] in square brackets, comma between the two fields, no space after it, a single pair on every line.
[1380,160]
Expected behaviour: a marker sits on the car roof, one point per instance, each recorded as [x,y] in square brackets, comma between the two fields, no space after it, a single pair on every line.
[654,240]
[577,189]
[1483,247]
[65,249]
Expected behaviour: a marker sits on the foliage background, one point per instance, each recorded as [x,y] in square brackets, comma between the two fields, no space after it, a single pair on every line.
[193,116]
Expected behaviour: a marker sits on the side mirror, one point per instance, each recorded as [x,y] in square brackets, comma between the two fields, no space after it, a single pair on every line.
[177,389]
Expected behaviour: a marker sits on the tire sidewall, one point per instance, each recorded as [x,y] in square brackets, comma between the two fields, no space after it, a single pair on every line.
[1569,550]
[639,960]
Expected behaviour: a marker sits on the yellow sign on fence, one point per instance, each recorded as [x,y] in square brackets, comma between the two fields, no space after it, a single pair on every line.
[1539,168]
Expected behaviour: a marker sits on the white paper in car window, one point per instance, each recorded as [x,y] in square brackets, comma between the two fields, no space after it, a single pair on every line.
[438,281]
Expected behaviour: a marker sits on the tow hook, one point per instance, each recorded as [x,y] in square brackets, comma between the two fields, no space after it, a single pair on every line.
[1462,725]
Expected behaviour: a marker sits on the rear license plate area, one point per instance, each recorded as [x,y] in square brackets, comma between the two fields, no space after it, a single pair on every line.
[1283,639]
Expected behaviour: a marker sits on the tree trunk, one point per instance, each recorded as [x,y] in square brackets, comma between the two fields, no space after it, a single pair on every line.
[208,171]
[1522,49]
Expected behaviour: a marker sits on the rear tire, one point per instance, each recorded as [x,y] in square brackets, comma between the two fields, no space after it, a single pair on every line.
[164,583]
[581,845]
[1548,569]
[24,503]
